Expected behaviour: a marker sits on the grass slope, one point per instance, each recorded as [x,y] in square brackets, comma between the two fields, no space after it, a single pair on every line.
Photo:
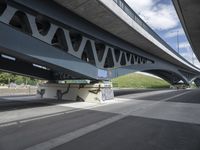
[136,80]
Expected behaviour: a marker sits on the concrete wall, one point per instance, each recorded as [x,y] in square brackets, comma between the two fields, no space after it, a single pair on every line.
[98,92]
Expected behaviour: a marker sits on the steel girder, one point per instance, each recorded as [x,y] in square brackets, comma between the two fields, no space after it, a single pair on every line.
[68,45]
[25,68]
[24,47]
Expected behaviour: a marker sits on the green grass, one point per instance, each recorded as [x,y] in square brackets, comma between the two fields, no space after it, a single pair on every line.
[136,80]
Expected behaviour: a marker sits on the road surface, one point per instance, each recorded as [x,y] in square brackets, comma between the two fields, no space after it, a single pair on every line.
[150,120]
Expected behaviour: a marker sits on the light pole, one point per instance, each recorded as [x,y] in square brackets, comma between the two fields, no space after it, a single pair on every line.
[177,41]
[189,50]
[193,58]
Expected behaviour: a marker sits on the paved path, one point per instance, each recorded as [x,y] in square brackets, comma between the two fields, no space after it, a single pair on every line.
[153,120]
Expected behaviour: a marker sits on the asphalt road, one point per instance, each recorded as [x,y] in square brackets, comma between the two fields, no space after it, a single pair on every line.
[153,120]
[120,92]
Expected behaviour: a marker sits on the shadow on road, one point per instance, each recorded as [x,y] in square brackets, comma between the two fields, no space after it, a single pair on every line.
[13,104]
[121,92]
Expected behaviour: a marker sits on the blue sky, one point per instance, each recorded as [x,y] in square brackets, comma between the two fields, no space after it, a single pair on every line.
[161,16]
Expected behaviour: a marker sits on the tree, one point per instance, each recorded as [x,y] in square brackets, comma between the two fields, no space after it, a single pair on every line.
[7,78]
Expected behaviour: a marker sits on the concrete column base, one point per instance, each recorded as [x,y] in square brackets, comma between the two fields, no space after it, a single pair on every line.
[98,92]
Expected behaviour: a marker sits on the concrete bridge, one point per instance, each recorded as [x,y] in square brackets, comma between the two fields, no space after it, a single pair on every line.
[96,40]
[188,12]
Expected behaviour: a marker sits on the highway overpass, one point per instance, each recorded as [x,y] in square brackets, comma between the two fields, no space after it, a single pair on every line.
[96,40]
[188,12]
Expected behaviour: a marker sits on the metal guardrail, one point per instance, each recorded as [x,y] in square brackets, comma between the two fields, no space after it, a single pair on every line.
[129,11]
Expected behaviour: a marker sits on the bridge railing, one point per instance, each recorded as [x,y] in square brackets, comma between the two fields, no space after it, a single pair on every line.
[129,11]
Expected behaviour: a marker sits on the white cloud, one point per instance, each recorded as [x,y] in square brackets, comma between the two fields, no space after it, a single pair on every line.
[174,32]
[195,61]
[184,45]
[189,56]
[158,16]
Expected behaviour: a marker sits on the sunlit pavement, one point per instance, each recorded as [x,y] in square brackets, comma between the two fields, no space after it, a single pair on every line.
[153,120]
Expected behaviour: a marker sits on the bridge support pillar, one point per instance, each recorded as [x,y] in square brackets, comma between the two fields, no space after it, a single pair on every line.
[98,92]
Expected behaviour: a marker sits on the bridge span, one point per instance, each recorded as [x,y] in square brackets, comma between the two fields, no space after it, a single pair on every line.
[96,40]
[188,12]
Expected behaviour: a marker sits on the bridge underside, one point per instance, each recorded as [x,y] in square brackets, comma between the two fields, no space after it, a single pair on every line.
[168,76]
[43,47]
[188,12]
[197,82]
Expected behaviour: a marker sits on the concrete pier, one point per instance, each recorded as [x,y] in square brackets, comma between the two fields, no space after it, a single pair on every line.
[98,92]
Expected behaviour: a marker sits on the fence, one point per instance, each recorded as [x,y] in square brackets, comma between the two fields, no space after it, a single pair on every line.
[18,91]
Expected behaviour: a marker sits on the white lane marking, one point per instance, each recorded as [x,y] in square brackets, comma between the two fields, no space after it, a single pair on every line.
[172,97]
[138,95]
[35,118]
[43,117]
[75,134]
[8,124]
[49,115]
[76,109]
[166,99]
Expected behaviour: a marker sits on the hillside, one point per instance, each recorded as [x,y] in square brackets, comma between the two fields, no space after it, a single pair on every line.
[137,80]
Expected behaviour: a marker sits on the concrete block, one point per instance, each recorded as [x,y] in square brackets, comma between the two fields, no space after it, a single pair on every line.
[98,92]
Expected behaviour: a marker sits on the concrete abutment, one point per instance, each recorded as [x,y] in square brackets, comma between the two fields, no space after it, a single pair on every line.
[97,92]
